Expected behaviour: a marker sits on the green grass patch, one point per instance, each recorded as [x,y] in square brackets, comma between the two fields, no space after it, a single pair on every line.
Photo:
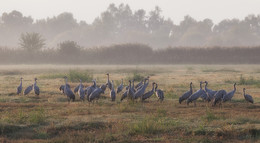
[73,76]
[210,116]
[145,127]
[136,76]
[219,70]
[37,116]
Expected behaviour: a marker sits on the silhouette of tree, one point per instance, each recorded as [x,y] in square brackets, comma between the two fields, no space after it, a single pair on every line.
[31,41]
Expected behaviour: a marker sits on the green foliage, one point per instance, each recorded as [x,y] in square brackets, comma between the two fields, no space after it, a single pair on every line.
[31,41]
[37,116]
[210,116]
[85,76]
[146,126]
[250,81]
[136,76]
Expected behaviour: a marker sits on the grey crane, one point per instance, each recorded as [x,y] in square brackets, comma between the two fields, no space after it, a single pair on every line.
[133,87]
[186,95]
[90,89]
[81,91]
[229,95]
[20,87]
[210,92]
[139,93]
[124,95]
[248,97]
[109,84]
[35,87]
[159,93]
[204,96]
[28,90]
[130,92]
[103,87]
[139,84]
[95,94]
[218,97]
[112,92]
[195,95]
[70,95]
[149,93]
[120,87]
[62,88]
[77,87]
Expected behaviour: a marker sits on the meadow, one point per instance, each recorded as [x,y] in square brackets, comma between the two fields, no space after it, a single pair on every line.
[49,118]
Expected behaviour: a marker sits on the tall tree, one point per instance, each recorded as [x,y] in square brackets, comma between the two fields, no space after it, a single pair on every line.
[31,41]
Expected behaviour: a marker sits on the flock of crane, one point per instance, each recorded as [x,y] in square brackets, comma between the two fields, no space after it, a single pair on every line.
[216,97]
[134,92]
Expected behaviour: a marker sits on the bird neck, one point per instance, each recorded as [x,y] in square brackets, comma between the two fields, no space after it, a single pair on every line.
[21,82]
[94,83]
[244,93]
[200,86]
[108,77]
[190,87]
[129,85]
[153,88]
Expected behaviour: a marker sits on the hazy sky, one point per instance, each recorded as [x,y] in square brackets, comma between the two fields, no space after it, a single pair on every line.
[88,10]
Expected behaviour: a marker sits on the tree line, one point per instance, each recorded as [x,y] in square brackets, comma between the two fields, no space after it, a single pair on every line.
[120,24]
[69,52]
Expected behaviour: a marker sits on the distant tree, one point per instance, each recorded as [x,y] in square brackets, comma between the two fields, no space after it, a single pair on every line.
[31,41]
[69,48]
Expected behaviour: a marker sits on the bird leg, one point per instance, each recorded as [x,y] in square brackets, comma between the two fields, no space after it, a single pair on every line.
[195,103]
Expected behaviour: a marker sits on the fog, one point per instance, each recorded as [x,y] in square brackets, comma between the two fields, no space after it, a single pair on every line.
[119,24]
[120,35]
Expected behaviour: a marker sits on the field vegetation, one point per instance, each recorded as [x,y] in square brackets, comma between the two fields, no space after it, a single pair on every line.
[49,117]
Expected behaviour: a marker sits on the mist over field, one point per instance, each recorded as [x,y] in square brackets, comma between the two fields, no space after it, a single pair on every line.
[123,36]
[118,24]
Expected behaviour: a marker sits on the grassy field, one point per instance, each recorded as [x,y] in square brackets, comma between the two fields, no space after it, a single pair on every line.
[49,118]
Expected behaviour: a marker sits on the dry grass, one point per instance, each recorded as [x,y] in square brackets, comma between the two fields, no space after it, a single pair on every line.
[49,118]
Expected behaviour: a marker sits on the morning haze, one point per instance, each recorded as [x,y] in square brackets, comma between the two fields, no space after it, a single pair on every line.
[119,29]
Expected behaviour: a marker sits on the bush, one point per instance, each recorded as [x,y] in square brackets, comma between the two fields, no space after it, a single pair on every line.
[85,76]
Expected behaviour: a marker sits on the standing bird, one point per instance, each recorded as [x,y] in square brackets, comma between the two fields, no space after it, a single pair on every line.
[120,87]
[95,94]
[124,95]
[159,93]
[130,92]
[109,82]
[139,84]
[210,92]
[204,96]
[140,92]
[229,95]
[20,87]
[218,97]
[195,95]
[90,89]
[81,91]
[36,88]
[28,90]
[103,87]
[149,93]
[70,95]
[248,97]
[186,95]
[112,92]
[77,87]
[62,88]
